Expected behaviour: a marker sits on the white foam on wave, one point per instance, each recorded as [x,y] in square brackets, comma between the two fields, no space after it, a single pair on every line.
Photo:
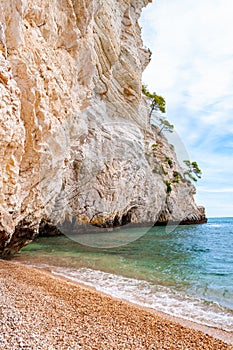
[146,294]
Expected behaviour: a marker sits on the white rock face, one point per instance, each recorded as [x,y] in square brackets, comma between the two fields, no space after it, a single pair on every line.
[75,138]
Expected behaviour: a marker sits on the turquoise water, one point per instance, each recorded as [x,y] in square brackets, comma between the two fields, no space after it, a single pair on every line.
[186,271]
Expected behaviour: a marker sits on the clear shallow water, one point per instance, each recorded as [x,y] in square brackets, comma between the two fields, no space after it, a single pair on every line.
[186,271]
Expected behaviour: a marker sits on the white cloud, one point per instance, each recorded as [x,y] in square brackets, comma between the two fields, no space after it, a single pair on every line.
[217,190]
[192,67]
[191,41]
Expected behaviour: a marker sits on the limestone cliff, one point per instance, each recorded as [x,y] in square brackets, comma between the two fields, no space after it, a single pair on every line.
[75,137]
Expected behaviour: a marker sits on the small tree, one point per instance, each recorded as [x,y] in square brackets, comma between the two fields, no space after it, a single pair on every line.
[168,161]
[177,177]
[165,125]
[169,186]
[157,103]
[193,172]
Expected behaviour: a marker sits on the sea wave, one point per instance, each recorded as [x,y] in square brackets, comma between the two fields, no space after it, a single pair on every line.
[146,294]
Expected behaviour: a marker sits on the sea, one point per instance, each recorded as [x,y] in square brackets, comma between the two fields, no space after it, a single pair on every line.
[185,271]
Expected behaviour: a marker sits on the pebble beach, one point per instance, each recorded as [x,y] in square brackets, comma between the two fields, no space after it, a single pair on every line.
[43,311]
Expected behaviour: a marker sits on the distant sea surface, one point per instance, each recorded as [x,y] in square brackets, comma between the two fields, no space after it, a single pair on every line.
[185,271]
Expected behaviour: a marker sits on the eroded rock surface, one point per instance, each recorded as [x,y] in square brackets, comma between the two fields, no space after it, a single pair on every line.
[75,137]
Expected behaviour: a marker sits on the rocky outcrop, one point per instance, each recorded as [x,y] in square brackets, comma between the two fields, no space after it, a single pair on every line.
[75,137]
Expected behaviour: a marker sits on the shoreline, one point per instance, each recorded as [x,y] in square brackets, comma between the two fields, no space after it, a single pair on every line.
[71,315]
[215,332]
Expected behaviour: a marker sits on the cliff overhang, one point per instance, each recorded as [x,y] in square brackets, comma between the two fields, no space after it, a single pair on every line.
[75,137]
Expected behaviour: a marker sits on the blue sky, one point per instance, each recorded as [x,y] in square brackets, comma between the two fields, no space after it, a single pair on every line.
[192,68]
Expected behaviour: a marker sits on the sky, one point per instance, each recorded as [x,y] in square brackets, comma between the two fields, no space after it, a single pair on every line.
[192,68]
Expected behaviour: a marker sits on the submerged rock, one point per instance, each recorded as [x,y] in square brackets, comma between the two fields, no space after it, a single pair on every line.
[75,136]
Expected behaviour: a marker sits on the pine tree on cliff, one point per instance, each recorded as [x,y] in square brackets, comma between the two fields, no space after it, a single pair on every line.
[157,103]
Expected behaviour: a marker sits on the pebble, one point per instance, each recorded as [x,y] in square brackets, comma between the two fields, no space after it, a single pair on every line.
[41,311]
